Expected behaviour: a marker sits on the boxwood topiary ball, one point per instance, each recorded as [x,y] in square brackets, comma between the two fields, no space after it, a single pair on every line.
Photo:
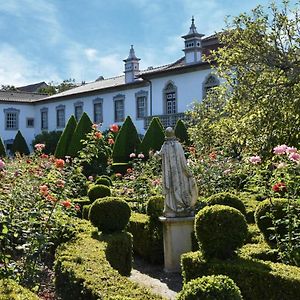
[155,206]
[98,191]
[210,287]
[265,211]
[103,181]
[109,214]
[227,199]
[220,230]
[108,178]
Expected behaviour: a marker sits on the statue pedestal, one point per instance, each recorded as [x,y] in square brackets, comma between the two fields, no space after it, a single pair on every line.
[177,240]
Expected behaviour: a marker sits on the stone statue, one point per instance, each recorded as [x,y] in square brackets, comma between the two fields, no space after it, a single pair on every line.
[179,187]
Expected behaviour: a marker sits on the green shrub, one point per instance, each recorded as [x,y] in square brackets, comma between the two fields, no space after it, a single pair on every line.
[228,199]
[256,279]
[121,167]
[86,211]
[2,149]
[153,139]
[260,251]
[103,181]
[78,184]
[10,290]
[181,133]
[98,191]
[216,287]
[220,230]
[65,138]
[83,127]
[127,142]
[19,145]
[50,139]
[155,206]
[147,237]
[108,178]
[264,213]
[250,201]
[110,214]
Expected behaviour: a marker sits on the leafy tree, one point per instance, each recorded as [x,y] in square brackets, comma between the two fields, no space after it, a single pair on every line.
[154,137]
[83,127]
[50,139]
[2,149]
[20,145]
[8,88]
[127,142]
[181,133]
[65,138]
[52,88]
[258,105]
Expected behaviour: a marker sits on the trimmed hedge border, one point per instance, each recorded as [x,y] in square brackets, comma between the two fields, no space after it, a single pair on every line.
[84,273]
[256,279]
[11,290]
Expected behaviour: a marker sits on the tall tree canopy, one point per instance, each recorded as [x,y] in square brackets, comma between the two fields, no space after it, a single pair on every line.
[258,105]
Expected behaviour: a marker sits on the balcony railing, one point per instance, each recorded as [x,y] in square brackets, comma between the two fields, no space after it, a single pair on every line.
[166,120]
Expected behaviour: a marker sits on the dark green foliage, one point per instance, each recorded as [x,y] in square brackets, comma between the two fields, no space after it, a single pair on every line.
[220,230]
[155,206]
[120,167]
[20,145]
[108,178]
[127,142]
[217,287]
[2,149]
[86,211]
[227,199]
[83,127]
[103,181]
[259,251]
[265,211]
[256,279]
[119,251]
[65,138]
[110,214]
[81,202]
[50,139]
[10,290]
[147,237]
[78,184]
[98,191]
[181,133]
[153,139]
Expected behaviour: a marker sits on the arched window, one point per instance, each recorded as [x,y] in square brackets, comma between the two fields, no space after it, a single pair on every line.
[170,98]
[210,82]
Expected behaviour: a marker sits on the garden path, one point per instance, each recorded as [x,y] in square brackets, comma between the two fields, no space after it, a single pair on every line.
[154,278]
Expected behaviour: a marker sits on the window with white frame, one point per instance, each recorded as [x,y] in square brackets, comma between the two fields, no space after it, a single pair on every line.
[78,110]
[44,118]
[210,82]
[141,104]
[98,110]
[60,116]
[11,118]
[119,108]
[170,98]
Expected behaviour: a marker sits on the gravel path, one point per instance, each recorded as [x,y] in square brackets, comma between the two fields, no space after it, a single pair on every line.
[154,278]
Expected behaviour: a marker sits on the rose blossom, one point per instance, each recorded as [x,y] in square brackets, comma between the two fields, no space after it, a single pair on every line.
[111,141]
[95,126]
[255,159]
[91,178]
[114,128]
[98,135]
[39,147]
[129,170]
[59,163]
[279,187]
[279,150]
[118,175]
[66,204]
[132,155]
[141,155]
[294,156]
[60,183]
[291,150]
[2,164]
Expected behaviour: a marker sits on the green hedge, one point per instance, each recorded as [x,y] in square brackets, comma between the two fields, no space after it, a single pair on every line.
[259,251]
[147,237]
[19,145]
[181,133]
[2,149]
[84,273]
[256,279]
[10,290]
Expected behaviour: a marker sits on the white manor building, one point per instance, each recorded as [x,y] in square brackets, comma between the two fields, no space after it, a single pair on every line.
[165,92]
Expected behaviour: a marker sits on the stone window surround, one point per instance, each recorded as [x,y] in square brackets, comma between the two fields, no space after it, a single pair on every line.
[169,87]
[11,110]
[57,108]
[141,93]
[98,100]
[118,98]
[78,104]
[206,84]
[44,110]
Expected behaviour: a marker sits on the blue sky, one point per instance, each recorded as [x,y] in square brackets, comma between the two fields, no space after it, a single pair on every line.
[53,40]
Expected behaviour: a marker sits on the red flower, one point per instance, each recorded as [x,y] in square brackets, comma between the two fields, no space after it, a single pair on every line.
[59,163]
[51,198]
[44,155]
[114,128]
[98,135]
[111,141]
[129,170]
[213,155]
[60,183]
[44,190]
[66,204]
[77,207]
[279,187]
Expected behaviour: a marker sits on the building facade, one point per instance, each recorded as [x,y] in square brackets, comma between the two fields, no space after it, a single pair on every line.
[166,92]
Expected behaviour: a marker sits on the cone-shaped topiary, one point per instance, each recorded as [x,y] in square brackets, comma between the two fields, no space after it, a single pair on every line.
[65,138]
[83,127]
[110,214]
[98,191]
[153,139]
[210,287]
[20,145]
[181,133]
[227,199]
[2,149]
[220,230]
[127,142]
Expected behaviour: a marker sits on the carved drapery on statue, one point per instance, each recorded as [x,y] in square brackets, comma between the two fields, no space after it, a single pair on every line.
[179,186]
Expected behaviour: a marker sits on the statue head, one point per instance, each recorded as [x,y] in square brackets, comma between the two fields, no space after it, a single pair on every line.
[170,134]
